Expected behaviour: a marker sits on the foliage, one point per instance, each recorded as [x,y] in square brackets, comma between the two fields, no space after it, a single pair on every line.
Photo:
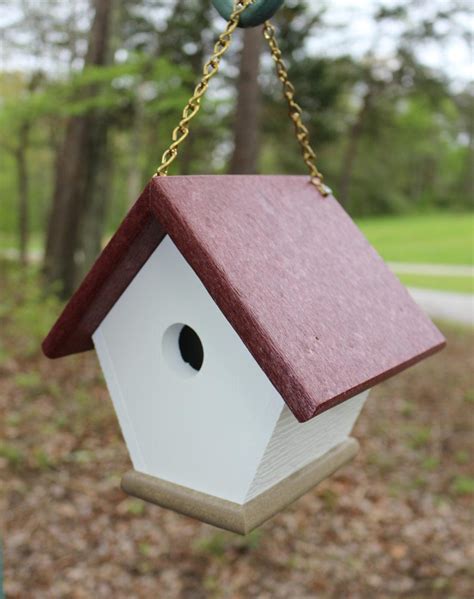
[115,90]
[392,135]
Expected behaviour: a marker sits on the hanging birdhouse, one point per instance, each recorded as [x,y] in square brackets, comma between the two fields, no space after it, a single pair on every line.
[240,322]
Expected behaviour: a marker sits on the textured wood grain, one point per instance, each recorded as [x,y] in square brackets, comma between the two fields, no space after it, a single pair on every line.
[314,303]
[294,444]
[239,518]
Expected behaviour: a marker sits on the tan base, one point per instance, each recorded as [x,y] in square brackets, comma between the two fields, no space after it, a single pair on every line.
[232,516]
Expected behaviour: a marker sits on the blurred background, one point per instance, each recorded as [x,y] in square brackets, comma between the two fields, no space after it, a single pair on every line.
[89,94]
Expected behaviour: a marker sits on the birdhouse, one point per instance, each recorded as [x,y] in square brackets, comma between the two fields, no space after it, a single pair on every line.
[240,322]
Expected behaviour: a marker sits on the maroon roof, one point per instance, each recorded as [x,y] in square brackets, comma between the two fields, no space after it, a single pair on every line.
[313,302]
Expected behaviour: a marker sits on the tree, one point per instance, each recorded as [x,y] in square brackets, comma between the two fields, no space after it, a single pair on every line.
[248,110]
[188,40]
[386,82]
[18,117]
[79,165]
[356,130]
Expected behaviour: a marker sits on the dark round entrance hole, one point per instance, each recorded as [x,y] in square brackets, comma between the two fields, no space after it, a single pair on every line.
[190,347]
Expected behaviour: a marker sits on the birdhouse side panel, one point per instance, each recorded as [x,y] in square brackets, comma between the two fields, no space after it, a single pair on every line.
[120,405]
[294,444]
[194,406]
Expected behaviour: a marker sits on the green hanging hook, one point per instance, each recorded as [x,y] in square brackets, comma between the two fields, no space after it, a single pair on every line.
[255,14]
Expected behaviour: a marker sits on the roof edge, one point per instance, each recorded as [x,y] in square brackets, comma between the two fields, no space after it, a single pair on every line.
[327,405]
[119,262]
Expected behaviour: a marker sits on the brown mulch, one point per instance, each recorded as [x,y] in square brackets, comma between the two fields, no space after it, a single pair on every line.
[397,522]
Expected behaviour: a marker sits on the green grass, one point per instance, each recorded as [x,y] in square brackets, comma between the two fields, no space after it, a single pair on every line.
[425,239]
[457,284]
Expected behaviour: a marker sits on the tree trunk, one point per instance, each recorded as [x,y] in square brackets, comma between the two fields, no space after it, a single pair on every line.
[350,155]
[93,221]
[134,174]
[78,166]
[23,184]
[247,115]
[20,152]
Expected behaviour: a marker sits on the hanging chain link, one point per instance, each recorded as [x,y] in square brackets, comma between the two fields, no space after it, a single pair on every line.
[181,132]
[211,67]
[295,112]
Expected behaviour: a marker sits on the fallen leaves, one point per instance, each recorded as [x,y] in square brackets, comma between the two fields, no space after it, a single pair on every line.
[397,522]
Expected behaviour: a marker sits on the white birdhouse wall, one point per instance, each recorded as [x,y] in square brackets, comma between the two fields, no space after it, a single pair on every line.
[205,429]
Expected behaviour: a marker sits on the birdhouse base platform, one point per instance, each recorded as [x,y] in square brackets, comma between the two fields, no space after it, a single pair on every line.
[239,518]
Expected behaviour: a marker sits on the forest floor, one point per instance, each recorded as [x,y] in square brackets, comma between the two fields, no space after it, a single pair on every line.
[396,522]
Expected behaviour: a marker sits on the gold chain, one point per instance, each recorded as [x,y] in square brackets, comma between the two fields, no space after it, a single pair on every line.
[302,133]
[211,67]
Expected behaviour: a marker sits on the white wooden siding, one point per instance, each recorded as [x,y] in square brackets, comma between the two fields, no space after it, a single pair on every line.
[293,445]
